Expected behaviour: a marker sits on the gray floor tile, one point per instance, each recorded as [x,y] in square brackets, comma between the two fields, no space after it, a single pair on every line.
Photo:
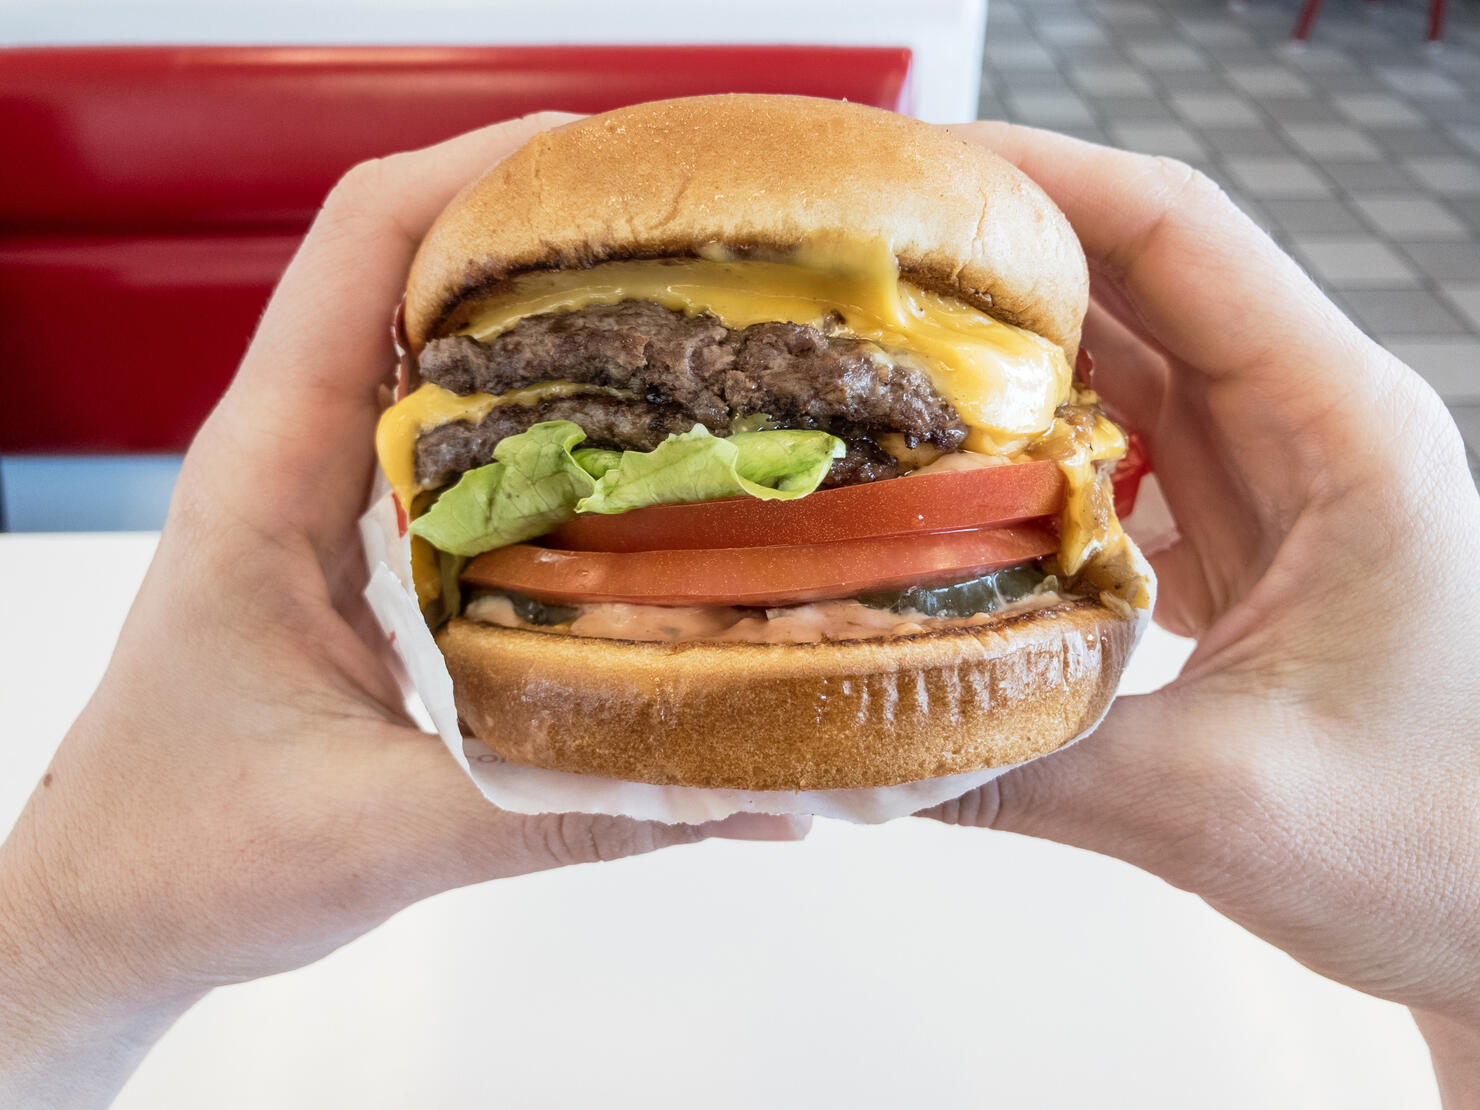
[1034,81]
[1369,177]
[1111,80]
[1269,81]
[1345,82]
[1466,298]
[1406,216]
[1468,209]
[1333,141]
[1129,13]
[1088,134]
[1302,110]
[1072,32]
[1134,109]
[1455,176]
[1420,84]
[1001,15]
[1276,177]
[1413,141]
[1452,366]
[1049,109]
[1091,55]
[989,107]
[1017,55]
[1390,312]
[1216,110]
[1158,56]
[1233,142]
[1171,139]
[1354,262]
[1192,80]
[1236,54]
[1468,419]
[1451,260]
[1325,216]
[1216,32]
[1460,112]
[1377,110]
[1467,135]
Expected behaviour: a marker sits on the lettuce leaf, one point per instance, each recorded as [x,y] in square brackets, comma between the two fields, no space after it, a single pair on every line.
[531,487]
[698,466]
[537,480]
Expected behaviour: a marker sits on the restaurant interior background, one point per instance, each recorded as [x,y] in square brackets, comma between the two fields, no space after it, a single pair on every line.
[1358,149]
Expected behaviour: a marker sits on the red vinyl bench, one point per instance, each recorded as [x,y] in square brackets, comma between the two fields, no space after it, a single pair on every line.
[152,195]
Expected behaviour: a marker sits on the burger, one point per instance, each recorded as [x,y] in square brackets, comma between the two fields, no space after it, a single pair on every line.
[740,445]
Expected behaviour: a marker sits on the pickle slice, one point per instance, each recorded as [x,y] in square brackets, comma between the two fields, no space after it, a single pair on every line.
[985,594]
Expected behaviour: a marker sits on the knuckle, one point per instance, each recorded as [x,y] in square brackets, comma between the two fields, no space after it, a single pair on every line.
[569,838]
[352,191]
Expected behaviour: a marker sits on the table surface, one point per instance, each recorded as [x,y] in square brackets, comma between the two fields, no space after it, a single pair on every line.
[901,964]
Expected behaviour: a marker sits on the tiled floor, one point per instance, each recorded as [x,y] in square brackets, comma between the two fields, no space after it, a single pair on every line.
[1360,154]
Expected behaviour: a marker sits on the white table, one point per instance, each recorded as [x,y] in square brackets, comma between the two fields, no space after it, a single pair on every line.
[945,35]
[907,964]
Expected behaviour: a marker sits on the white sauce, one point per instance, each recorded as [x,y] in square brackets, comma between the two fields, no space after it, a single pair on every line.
[843,619]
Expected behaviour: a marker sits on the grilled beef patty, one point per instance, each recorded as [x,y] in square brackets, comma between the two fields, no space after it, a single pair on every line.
[682,370]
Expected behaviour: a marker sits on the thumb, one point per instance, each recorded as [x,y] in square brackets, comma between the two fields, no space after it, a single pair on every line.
[1144,788]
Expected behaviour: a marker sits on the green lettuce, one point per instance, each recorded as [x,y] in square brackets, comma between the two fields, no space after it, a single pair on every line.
[698,466]
[538,480]
[531,487]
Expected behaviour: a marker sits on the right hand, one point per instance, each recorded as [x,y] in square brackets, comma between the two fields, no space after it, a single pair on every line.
[1314,772]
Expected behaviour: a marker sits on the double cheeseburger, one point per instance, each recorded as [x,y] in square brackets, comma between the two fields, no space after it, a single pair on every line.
[741,446]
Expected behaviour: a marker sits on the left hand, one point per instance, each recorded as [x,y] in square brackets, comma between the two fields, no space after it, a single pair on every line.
[244,793]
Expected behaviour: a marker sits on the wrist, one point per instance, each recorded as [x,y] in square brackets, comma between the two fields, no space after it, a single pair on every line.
[1454,1047]
[74,1021]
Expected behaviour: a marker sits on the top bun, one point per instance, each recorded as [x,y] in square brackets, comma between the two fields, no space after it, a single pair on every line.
[667,178]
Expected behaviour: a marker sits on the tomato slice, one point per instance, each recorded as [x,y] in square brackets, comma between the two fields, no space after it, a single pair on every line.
[1126,480]
[945,502]
[757,575]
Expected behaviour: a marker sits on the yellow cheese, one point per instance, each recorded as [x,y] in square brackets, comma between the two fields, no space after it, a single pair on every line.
[1087,524]
[1004,381]
[431,406]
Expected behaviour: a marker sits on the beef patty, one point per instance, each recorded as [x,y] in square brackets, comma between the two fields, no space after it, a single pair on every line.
[682,370]
[445,452]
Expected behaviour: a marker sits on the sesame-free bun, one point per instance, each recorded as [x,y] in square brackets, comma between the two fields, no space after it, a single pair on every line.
[809,716]
[769,173]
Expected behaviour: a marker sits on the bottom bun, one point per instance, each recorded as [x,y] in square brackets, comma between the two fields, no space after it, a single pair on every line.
[809,716]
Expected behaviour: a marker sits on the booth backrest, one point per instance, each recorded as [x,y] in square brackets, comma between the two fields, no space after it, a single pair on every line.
[151,196]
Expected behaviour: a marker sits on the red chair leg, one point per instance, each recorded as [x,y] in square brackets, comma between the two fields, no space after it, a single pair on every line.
[1307,17]
[1436,20]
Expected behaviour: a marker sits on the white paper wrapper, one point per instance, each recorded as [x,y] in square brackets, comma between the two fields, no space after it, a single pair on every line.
[532,790]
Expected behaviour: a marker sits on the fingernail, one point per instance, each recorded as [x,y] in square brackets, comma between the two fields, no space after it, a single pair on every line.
[758,826]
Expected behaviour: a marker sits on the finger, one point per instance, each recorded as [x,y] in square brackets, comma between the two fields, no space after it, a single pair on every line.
[437,830]
[1130,377]
[1130,790]
[295,430]
[1160,231]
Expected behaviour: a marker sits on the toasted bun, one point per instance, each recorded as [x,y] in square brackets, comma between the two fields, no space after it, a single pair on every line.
[790,716]
[668,178]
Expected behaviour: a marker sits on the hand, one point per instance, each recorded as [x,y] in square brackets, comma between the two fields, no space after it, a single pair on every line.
[244,793]
[1313,773]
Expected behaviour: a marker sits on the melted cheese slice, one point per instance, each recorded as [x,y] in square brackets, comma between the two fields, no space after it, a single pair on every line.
[1004,381]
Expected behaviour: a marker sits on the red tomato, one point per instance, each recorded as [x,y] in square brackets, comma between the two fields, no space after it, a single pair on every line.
[945,502]
[757,575]
[1126,480]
